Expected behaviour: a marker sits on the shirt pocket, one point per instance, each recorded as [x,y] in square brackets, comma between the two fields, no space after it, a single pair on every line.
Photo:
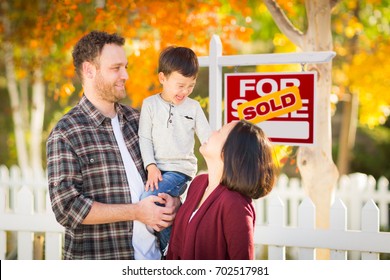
[94,171]
[187,121]
[91,160]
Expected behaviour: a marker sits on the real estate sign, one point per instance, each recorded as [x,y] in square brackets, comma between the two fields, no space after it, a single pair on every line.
[282,104]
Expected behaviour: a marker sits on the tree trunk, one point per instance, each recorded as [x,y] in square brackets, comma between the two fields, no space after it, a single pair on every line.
[37,117]
[347,132]
[350,110]
[24,102]
[14,93]
[28,118]
[318,171]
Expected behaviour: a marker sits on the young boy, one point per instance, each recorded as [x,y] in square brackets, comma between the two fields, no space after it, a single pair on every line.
[167,125]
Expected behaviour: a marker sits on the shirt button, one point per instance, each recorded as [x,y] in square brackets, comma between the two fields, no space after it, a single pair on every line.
[91,160]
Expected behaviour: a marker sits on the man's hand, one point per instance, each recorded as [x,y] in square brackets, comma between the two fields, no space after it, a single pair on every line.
[154,176]
[156,216]
[171,201]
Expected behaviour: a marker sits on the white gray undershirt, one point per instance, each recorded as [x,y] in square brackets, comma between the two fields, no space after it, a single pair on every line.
[144,241]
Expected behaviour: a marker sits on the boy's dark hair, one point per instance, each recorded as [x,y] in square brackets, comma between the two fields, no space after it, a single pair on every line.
[248,164]
[90,46]
[180,59]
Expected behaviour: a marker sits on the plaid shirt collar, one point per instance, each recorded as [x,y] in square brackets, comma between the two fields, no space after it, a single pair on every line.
[95,115]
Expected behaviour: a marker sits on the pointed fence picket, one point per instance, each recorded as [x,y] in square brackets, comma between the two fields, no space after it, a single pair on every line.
[26,222]
[277,236]
[354,190]
[25,210]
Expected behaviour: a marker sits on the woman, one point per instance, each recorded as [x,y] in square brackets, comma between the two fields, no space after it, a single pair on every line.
[217,219]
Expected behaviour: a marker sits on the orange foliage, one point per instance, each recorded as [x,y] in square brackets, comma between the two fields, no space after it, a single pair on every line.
[362,61]
[44,35]
[371,83]
[142,81]
[149,27]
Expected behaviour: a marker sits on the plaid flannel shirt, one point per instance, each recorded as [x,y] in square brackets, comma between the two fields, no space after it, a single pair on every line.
[84,165]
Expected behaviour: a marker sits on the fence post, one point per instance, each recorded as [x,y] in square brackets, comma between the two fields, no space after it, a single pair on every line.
[338,222]
[276,218]
[383,201]
[4,181]
[15,184]
[25,207]
[39,189]
[370,223]
[215,83]
[53,240]
[295,199]
[306,220]
[357,185]
[3,239]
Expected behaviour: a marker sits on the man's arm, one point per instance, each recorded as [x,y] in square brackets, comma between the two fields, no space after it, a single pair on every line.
[145,211]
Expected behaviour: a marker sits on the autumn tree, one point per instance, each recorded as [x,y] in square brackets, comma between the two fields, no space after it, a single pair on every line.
[361,40]
[37,37]
[318,171]
[358,31]
[21,72]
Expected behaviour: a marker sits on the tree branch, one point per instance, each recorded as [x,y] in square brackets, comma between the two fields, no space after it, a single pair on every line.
[286,27]
[333,3]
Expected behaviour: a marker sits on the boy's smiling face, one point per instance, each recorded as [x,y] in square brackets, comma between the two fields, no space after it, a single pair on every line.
[176,87]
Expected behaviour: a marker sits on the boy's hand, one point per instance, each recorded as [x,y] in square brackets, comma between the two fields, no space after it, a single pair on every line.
[154,176]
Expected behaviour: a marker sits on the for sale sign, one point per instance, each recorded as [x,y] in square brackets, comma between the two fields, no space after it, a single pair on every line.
[282,104]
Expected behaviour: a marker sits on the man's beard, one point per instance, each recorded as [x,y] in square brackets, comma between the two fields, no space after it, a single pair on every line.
[107,91]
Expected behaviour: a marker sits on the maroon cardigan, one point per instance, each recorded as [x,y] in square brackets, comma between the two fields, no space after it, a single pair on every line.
[222,229]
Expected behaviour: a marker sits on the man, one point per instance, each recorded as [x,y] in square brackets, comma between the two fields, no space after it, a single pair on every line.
[95,170]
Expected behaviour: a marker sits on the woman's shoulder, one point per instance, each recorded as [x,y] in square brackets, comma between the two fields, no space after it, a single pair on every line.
[234,197]
[233,204]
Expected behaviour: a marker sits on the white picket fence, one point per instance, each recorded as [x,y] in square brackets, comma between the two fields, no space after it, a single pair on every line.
[368,241]
[25,212]
[355,190]
[284,226]
[361,208]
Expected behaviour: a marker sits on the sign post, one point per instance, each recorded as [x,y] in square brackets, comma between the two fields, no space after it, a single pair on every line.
[248,96]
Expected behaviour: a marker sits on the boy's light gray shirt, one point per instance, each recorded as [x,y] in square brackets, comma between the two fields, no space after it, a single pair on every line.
[168,141]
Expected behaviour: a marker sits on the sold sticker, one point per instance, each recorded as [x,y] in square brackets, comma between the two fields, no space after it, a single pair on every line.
[271,105]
